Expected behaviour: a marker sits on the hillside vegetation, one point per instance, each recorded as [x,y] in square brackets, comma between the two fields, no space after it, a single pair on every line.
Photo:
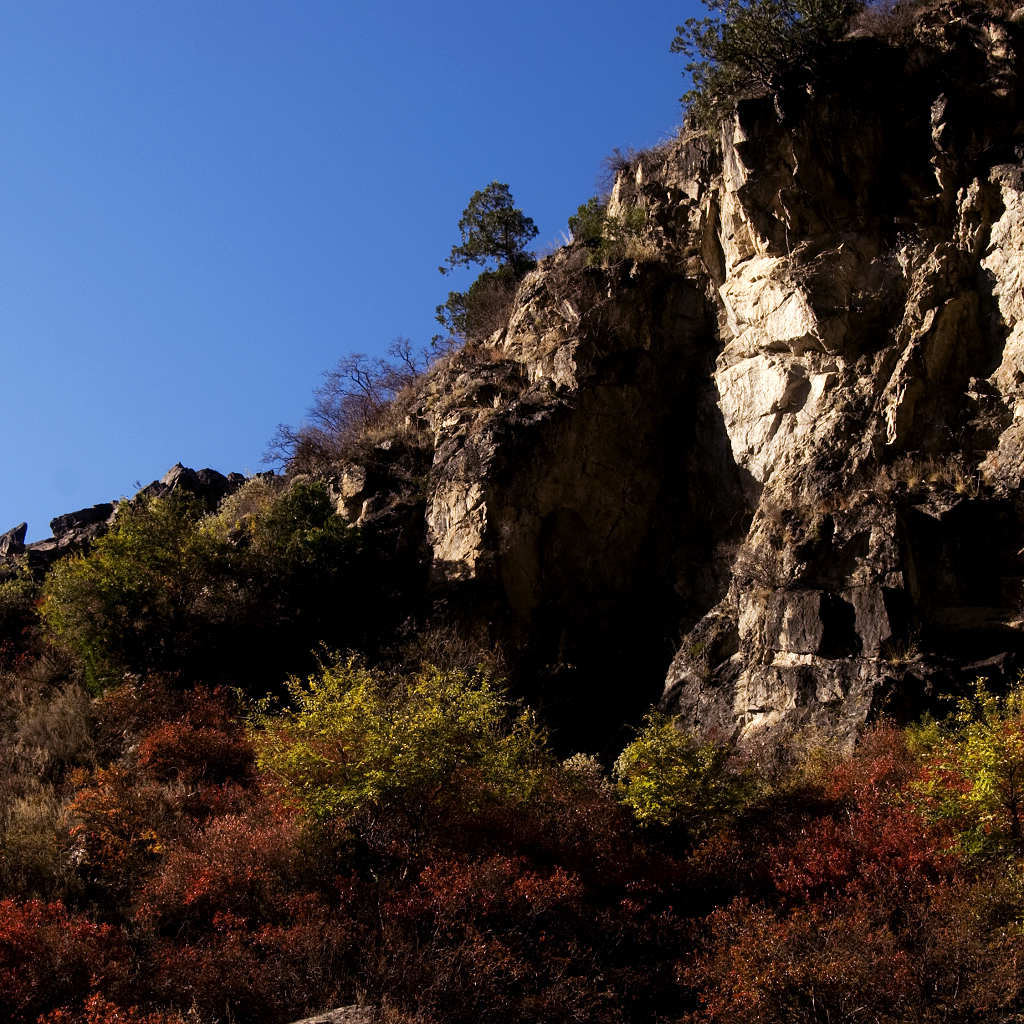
[292,747]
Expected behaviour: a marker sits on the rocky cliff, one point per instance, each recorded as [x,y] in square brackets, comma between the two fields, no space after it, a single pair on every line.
[761,459]
[764,463]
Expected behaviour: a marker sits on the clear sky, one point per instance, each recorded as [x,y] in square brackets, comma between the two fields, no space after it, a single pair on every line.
[205,204]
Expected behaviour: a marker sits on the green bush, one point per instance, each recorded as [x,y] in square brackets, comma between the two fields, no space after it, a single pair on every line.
[611,239]
[438,741]
[18,616]
[671,780]
[483,308]
[125,605]
[747,46]
[241,597]
[587,224]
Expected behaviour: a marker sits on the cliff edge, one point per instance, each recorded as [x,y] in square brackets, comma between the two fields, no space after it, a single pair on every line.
[760,459]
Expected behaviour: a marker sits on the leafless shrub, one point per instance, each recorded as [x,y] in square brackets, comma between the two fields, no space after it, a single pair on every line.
[761,566]
[453,647]
[888,19]
[360,393]
[617,161]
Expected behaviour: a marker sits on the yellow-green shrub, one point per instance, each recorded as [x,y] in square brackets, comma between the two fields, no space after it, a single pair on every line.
[973,770]
[351,743]
[671,780]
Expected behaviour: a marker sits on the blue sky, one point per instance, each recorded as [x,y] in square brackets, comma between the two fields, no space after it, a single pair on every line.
[206,204]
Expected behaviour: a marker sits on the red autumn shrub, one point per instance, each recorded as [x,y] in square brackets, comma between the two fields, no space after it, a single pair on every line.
[883,854]
[184,752]
[51,958]
[505,939]
[882,767]
[574,819]
[951,952]
[243,865]
[98,1010]
[875,844]
[205,743]
[813,965]
[261,974]
[124,712]
[118,826]
[726,865]
[877,920]
[192,762]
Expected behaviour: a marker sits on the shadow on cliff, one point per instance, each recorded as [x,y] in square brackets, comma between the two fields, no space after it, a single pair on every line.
[612,530]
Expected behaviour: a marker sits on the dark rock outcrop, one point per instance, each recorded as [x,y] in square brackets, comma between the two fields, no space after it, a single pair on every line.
[13,541]
[773,445]
[78,524]
[75,531]
[207,485]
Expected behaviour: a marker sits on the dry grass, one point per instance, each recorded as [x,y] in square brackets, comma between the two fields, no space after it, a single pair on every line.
[32,858]
[46,730]
[941,472]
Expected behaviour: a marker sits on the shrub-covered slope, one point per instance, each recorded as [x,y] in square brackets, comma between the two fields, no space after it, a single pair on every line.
[322,739]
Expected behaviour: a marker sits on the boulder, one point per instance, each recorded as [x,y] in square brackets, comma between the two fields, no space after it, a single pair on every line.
[75,523]
[13,541]
[343,1015]
[208,485]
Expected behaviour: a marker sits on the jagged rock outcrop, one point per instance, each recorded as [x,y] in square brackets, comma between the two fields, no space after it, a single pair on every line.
[209,486]
[13,541]
[778,447]
[869,377]
[75,531]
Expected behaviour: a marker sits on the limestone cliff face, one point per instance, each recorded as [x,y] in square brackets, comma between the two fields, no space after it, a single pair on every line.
[760,458]
[778,448]
[869,376]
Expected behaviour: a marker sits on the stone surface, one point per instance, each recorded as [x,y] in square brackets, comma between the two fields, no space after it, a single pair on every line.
[13,541]
[343,1015]
[76,522]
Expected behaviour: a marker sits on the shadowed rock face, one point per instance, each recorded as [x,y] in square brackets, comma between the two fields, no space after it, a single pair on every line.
[579,510]
[766,465]
[778,455]
[13,541]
